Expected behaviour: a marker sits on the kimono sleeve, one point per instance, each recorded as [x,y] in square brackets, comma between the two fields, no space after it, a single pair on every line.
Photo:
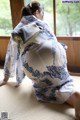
[11,61]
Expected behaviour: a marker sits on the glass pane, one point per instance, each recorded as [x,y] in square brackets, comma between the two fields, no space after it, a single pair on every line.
[5,18]
[67,19]
[48,10]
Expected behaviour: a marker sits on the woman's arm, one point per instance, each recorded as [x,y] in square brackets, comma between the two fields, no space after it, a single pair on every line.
[12,64]
[9,66]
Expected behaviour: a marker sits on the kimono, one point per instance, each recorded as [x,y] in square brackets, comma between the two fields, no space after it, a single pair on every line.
[34,51]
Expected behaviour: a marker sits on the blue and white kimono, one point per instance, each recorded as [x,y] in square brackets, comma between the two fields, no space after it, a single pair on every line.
[34,51]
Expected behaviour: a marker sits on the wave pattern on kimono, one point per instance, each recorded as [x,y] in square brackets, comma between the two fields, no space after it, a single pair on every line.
[43,60]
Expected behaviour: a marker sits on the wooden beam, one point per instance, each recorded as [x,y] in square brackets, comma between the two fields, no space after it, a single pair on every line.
[3,47]
[16,6]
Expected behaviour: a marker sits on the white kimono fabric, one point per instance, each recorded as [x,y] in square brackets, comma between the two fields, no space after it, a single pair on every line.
[34,51]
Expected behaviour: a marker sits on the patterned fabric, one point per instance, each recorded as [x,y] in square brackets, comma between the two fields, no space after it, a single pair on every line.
[34,50]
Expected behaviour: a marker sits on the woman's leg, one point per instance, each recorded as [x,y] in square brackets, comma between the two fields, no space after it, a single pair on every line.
[74,101]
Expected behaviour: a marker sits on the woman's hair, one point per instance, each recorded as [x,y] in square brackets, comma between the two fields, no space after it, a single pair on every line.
[31,8]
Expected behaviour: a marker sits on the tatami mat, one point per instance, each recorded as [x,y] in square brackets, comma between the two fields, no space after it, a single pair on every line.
[20,103]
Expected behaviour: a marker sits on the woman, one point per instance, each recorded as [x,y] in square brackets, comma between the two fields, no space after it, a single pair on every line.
[38,54]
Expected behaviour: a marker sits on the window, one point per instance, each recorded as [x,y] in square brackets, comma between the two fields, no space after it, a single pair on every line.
[67,19]
[5,18]
[48,10]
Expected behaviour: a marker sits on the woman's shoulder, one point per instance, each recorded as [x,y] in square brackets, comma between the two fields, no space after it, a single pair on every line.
[24,21]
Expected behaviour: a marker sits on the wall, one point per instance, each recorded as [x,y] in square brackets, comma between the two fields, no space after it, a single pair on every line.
[3,47]
[73,53]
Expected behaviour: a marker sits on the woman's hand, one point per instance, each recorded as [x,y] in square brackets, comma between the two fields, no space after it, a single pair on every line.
[4,81]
